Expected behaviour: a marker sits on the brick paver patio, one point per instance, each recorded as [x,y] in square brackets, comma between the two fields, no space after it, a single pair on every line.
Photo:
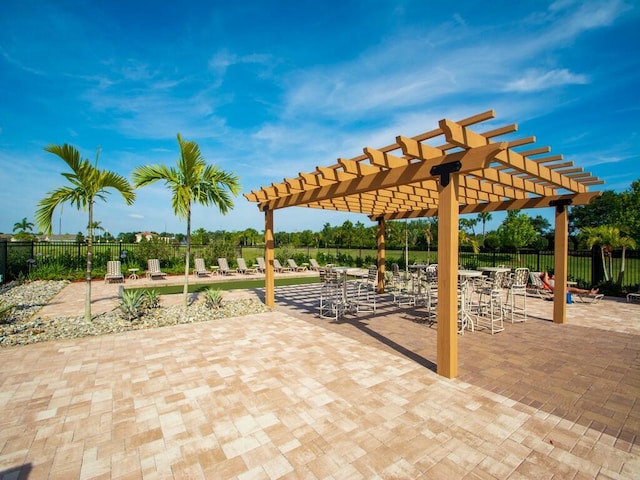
[288,395]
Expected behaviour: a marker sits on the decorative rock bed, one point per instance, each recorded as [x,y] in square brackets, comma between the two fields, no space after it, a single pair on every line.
[24,326]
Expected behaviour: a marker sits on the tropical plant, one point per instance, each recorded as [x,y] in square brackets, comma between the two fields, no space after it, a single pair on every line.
[88,183]
[5,312]
[23,226]
[96,226]
[213,297]
[191,181]
[608,238]
[484,217]
[132,303]
[151,299]
[465,239]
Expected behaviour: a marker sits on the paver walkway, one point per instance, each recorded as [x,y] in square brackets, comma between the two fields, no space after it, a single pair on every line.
[287,395]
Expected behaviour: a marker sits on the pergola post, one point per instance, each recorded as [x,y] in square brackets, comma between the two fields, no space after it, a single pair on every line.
[381,254]
[269,255]
[447,344]
[560,268]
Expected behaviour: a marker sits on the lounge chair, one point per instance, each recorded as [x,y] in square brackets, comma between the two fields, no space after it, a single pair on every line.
[633,296]
[294,266]
[314,264]
[113,272]
[200,270]
[279,268]
[262,266]
[538,288]
[591,298]
[224,267]
[242,266]
[153,269]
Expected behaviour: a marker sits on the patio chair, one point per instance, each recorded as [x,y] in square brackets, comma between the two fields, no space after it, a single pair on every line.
[633,296]
[199,270]
[332,299]
[294,266]
[314,264]
[277,266]
[153,269]
[518,286]
[224,267]
[113,272]
[262,266]
[242,266]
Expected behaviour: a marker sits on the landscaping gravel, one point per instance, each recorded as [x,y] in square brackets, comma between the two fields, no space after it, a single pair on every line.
[24,326]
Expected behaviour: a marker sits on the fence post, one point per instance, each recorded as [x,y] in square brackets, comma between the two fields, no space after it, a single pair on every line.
[4,257]
[538,261]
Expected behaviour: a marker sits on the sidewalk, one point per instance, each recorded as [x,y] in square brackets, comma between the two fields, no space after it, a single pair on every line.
[70,302]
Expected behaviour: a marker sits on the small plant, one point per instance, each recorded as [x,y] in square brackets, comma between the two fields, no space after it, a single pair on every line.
[132,303]
[5,312]
[151,299]
[213,297]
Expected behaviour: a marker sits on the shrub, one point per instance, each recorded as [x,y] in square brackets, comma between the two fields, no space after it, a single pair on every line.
[220,249]
[213,297]
[132,303]
[151,299]
[154,248]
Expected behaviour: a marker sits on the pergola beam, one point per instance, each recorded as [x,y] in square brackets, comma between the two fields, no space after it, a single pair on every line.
[515,204]
[471,160]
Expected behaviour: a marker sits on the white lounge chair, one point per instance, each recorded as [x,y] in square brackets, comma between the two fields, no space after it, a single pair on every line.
[242,266]
[294,266]
[224,267]
[314,264]
[538,288]
[277,266]
[200,270]
[262,266]
[153,269]
[114,272]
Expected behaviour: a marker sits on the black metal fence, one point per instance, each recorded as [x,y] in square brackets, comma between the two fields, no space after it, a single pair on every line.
[585,266]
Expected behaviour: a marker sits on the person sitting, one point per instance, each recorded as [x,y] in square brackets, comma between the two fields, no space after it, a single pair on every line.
[549,283]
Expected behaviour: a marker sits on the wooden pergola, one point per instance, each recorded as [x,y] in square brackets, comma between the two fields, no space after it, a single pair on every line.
[444,172]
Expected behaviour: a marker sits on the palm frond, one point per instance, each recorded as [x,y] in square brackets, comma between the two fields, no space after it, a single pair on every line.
[119,183]
[47,206]
[148,174]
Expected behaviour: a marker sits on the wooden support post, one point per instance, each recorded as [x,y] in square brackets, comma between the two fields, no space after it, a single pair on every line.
[269,255]
[447,344]
[381,254]
[560,267]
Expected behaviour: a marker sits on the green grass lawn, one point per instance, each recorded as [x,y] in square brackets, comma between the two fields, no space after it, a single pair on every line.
[231,285]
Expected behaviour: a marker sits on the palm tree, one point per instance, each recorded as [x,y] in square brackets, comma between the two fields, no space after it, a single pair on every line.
[88,183]
[608,238]
[484,217]
[23,226]
[96,226]
[191,181]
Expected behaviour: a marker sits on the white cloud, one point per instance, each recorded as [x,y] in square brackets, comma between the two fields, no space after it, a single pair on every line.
[536,80]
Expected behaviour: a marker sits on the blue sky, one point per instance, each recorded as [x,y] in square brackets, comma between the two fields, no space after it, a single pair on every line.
[271,89]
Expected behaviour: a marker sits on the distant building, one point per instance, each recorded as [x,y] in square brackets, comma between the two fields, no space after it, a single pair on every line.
[66,237]
[146,235]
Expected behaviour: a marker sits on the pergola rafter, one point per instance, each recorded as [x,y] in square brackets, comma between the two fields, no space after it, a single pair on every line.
[443,172]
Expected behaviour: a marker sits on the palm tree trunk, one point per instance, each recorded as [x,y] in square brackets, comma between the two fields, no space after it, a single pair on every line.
[604,265]
[185,291]
[87,301]
[621,274]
